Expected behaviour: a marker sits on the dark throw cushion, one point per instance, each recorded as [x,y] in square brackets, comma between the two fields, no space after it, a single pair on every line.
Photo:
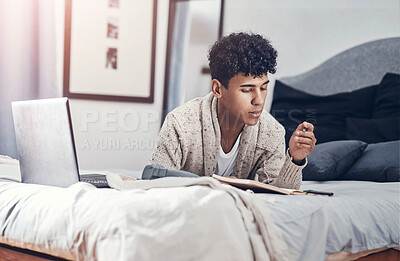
[387,102]
[373,130]
[330,160]
[328,113]
[384,124]
[379,162]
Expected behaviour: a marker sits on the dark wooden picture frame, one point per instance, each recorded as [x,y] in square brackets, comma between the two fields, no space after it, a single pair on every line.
[93,95]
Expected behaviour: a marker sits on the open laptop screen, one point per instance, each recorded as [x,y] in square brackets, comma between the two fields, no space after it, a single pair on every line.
[45,143]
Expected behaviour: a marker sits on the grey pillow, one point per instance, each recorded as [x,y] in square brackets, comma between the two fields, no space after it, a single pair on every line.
[332,159]
[379,162]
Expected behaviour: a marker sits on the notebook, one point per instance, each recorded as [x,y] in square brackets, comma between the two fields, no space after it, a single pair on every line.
[46,146]
[259,187]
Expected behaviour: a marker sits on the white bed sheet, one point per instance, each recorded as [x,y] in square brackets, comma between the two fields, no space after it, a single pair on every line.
[360,216]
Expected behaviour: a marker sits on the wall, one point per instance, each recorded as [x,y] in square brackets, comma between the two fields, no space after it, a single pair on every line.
[308,32]
[116,135]
[305,33]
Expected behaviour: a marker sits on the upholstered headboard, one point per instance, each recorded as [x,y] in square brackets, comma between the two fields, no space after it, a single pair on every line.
[360,66]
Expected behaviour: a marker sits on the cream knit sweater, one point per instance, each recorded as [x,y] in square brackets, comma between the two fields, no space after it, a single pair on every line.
[190,138]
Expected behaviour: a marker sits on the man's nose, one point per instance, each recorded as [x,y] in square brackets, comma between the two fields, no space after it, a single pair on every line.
[258,97]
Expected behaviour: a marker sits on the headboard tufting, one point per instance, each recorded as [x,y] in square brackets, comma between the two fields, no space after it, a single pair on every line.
[358,67]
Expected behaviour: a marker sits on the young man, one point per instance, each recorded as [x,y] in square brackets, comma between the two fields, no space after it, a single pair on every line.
[227,132]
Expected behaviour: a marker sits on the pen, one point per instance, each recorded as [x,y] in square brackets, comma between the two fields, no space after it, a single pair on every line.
[318,192]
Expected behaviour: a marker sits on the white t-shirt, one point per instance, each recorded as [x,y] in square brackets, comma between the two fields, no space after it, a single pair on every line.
[226,161]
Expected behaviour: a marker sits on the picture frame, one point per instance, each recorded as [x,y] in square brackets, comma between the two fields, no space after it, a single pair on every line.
[109,50]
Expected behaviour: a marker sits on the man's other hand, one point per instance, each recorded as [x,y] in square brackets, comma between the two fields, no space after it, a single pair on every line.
[302,142]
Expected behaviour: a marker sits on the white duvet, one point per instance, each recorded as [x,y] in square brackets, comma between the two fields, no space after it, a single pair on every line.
[190,222]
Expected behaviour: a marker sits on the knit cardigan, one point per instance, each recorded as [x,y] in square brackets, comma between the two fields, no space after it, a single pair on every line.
[190,138]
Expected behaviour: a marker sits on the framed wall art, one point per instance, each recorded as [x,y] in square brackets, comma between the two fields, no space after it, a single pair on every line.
[109,49]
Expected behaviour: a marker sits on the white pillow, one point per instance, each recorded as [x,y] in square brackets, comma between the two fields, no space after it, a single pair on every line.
[9,169]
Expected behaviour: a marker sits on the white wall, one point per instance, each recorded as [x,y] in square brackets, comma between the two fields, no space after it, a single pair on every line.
[106,139]
[308,32]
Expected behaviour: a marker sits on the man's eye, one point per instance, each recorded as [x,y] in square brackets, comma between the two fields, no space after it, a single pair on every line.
[246,90]
[263,89]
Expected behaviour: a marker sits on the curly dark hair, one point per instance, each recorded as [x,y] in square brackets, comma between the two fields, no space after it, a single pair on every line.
[246,53]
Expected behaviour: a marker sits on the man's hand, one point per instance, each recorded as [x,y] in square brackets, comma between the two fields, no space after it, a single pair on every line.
[302,142]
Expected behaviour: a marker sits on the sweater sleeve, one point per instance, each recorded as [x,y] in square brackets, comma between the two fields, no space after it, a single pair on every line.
[168,151]
[278,169]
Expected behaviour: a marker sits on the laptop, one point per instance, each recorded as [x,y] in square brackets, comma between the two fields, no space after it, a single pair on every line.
[46,146]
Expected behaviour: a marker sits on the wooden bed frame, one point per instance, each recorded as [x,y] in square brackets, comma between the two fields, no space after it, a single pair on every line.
[15,253]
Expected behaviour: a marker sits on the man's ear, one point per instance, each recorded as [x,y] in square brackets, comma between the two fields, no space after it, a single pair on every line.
[216,88]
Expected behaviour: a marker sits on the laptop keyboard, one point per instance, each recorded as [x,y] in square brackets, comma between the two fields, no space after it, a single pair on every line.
[98,180]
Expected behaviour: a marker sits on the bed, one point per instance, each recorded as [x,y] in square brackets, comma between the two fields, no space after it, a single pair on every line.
[201,219]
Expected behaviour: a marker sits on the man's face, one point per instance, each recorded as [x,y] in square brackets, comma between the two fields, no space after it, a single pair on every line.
[243,101]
